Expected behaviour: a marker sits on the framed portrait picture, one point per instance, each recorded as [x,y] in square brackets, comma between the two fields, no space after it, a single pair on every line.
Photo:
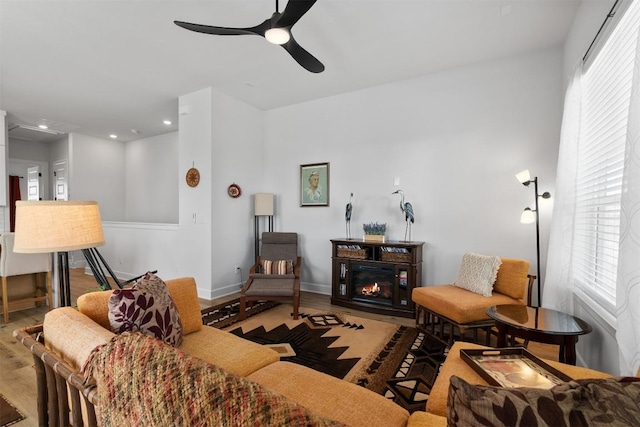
[314,184]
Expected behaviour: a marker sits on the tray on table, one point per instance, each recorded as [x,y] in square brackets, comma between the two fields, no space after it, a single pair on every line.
[513,367]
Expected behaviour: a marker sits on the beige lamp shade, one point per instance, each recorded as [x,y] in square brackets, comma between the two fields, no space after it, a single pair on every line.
[57,226]
[263,204]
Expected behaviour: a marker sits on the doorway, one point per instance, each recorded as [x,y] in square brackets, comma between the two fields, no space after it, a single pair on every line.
[21,168]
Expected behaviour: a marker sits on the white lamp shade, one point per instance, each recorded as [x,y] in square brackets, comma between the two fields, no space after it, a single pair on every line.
[57,226]
[528,216]
[523,176]
[263,204]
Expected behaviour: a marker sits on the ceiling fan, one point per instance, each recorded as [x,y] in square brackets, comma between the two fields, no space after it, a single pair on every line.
[276,30]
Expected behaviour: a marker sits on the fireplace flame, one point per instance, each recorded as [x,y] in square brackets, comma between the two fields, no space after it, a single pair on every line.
[371,290]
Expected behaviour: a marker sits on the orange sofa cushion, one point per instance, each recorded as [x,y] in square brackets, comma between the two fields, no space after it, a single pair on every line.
[458,304]
[183,292]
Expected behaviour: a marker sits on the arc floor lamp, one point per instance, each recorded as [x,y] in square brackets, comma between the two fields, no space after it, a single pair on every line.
[530,215]
[61,227]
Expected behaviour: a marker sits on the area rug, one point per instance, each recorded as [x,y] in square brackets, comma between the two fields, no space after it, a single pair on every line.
[8,413]
[395,361]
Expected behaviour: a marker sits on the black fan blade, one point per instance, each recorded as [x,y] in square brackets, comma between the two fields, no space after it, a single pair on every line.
[303,57]
[293,12]
[224,31]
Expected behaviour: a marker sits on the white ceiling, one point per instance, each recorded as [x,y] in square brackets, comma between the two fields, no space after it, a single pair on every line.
[109,66]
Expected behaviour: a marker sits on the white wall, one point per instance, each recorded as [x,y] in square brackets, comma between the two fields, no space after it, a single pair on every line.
[238,157]
[29,150]
[59,149]
[194,149]
[97,172]
[455,139]
[152,178]
[132,249]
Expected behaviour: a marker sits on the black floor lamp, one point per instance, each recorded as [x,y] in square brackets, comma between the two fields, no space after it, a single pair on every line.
[263,206]
[61,227]
[530,215]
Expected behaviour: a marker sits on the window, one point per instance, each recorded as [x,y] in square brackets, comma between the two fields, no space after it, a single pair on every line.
[606,90]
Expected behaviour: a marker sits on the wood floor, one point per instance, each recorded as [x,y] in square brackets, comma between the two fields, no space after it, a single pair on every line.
[17,377]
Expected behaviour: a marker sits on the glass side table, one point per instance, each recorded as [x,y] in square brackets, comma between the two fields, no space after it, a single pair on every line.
[541,325]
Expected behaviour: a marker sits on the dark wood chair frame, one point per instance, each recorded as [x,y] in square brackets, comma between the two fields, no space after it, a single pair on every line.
[61,392]
[247,299]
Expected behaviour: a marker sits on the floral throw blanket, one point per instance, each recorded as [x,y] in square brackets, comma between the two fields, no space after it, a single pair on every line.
[142,381]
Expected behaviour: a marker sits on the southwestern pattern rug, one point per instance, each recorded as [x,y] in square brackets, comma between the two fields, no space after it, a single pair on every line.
[8,413]
[398,362]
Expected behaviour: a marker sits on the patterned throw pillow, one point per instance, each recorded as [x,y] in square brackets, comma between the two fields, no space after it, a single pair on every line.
[478,273]
[281,266]
[146,307]
[603,402]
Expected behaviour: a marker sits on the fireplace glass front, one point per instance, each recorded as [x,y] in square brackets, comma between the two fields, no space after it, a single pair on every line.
[372,283]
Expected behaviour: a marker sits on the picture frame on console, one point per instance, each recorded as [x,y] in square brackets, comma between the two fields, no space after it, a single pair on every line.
[314,184]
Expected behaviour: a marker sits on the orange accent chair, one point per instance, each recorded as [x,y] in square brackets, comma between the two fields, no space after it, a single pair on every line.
[440,310]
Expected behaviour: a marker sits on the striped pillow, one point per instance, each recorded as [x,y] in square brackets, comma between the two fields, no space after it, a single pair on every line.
[281,266]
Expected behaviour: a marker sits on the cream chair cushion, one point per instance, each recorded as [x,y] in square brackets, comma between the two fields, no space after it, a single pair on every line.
[15,264]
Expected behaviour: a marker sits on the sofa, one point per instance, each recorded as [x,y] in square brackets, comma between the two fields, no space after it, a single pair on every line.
[73,340]
[131,379]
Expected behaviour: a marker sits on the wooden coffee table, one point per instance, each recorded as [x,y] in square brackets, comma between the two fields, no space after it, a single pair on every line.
[541,325]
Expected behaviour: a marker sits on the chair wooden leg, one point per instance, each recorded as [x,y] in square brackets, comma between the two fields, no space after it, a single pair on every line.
[243,307]
[5,300]
[49,291]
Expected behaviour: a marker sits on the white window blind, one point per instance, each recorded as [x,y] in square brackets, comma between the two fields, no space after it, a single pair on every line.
[606,89]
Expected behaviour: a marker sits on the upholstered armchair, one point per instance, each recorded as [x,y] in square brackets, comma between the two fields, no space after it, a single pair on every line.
[482,282]
[276,274]
[26,278]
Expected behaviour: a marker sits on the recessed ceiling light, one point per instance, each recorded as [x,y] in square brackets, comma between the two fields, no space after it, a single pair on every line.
[43,126]
[505,10]
[167,122]
[113,136]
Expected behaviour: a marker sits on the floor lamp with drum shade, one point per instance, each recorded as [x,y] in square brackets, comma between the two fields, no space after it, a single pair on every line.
[263,206]
[61,227]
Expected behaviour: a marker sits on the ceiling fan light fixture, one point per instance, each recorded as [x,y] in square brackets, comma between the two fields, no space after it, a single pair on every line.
[277,35]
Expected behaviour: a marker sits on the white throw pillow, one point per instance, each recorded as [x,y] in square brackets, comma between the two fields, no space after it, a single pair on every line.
[478,273]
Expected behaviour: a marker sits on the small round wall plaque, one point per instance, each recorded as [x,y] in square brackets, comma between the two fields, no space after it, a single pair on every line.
[193,177]
[234,191]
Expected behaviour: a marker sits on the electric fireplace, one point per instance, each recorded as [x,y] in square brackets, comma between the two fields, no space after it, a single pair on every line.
[376,276]
[372,283]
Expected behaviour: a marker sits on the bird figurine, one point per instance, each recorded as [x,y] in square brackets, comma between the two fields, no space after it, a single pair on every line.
[347,217]
[407,209]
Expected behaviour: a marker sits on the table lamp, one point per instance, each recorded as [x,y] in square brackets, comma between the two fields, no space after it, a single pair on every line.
[58,226]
